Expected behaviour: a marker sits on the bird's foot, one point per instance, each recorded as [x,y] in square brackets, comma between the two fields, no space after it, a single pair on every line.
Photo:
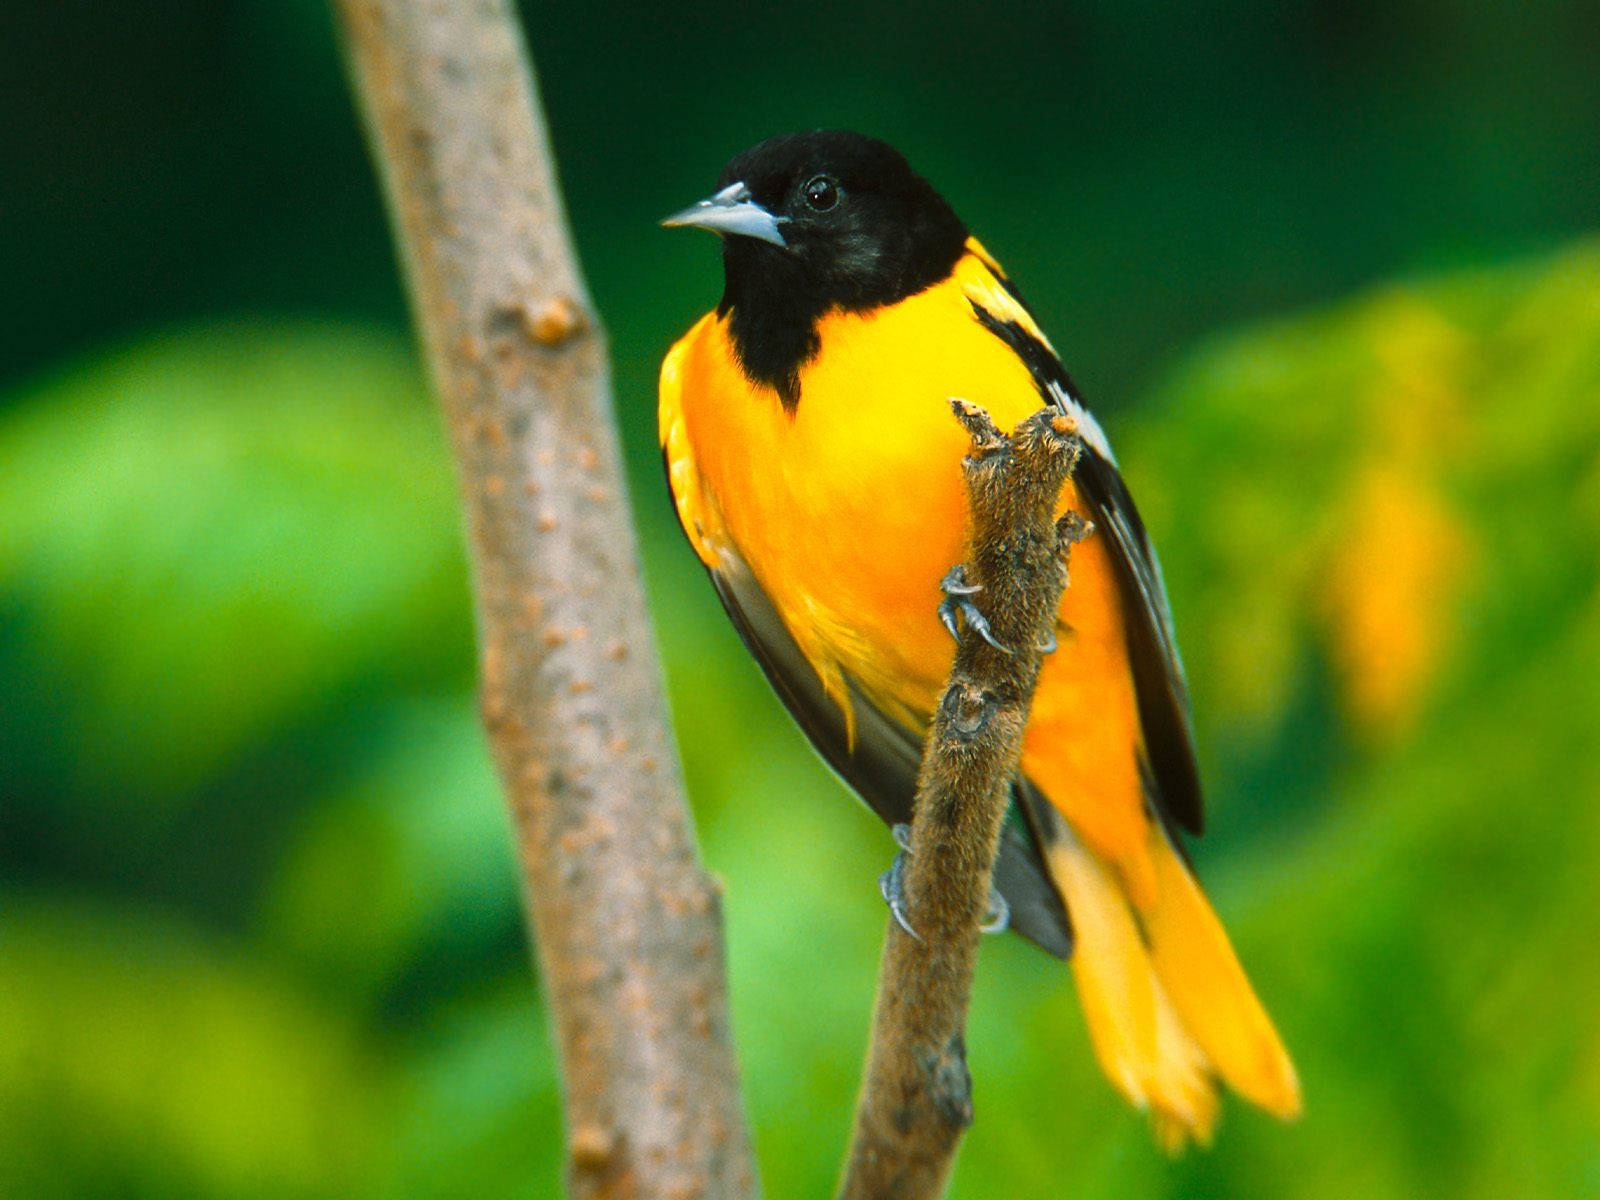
[997,919]
[956,590]
[892,882]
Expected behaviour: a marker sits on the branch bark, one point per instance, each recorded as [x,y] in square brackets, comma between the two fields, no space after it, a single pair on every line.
[627,923]
[916,1095]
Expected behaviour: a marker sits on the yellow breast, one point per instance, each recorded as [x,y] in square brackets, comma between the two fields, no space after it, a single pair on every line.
[850,509]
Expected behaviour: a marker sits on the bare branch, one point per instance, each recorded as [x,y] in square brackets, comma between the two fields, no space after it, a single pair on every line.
[628,924]
[916,1096]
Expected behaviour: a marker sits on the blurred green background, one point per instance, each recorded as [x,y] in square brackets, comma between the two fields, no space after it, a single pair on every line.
[1322,267]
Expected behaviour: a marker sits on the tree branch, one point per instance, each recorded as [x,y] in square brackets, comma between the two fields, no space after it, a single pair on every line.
[628,925]
[916,1096]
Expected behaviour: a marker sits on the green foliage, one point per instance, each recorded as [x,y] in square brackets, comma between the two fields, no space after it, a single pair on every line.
[258,927]
[141,1058]
[208,535]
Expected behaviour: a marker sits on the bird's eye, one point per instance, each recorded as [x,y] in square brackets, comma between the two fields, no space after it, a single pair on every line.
[822,193]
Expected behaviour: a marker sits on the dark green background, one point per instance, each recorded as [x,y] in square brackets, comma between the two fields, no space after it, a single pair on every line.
[258,924]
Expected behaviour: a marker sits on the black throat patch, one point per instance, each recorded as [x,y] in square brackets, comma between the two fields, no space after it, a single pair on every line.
[772,317]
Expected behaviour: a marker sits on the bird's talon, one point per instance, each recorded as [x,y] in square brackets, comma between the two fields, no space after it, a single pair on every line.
[900,920]
[998,918]
[947,614]
[955,604]
[891,885]
[1048,646]
[955,583]
[977,621]
[901,833]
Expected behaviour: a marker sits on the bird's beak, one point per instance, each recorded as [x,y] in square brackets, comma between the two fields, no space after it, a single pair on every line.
[731,211]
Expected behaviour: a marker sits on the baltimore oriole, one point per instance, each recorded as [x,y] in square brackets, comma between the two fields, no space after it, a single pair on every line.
[814,465]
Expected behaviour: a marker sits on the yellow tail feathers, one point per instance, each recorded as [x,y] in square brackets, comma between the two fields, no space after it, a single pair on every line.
[1195,961]
[1168,1007]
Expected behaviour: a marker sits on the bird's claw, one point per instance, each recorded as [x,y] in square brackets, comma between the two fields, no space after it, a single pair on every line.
[955,583]
[892,882]
[956,589]
[997,919]
[1048,646]
[947,615]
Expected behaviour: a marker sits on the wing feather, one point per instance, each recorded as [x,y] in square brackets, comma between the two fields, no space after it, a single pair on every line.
[881,763]
[1159,683]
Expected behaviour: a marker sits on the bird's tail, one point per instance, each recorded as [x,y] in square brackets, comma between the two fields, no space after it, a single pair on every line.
[1168,1006]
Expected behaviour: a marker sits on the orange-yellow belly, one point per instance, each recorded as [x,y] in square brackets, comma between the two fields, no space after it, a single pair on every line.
[851,509]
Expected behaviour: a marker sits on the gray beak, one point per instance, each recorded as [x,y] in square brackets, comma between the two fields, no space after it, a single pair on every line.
[731,211]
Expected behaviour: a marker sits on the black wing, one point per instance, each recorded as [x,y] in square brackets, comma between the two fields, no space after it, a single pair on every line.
[1159,684]
[882,766]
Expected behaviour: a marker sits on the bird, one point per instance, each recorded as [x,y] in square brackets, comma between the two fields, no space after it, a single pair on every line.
[814,466]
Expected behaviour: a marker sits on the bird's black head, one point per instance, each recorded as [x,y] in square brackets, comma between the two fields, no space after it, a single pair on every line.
[859,228]
[817,222]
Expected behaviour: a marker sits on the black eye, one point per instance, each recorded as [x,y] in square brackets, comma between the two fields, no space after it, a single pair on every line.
[822,193]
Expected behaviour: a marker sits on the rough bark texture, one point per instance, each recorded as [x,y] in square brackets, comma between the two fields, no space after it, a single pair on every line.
[627,924]
[916,1096]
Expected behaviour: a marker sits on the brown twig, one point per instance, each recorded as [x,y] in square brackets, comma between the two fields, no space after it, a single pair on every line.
[916,1096]
[628,925]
